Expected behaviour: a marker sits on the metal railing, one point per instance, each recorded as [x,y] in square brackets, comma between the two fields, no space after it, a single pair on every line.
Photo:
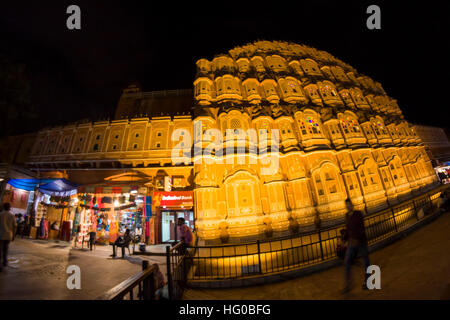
[140,286]
[177,269]
[265,257]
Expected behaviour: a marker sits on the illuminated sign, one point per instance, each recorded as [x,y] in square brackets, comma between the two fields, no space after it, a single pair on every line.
[173,199]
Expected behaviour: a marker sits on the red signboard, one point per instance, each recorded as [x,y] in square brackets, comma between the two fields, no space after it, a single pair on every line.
[173,199]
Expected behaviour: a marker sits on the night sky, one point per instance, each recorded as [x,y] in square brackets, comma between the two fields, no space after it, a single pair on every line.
[80,74]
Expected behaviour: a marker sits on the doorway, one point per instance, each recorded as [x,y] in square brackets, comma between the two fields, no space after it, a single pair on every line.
[168,223]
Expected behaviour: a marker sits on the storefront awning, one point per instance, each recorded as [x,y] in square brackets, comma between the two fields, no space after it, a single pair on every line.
[28,184]
[60,187]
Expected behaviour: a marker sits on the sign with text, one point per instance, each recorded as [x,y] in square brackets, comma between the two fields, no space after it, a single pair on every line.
[173,199]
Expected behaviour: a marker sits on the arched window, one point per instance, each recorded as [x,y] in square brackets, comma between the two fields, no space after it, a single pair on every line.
[276,63]
[223,63]
[369,177]
[327,72]
[291,90]
[350,125]
[295,66]
[358,97]
[203,89]
[313,94]
[243,64]
[235,124]
[345,95]
[334,131]
[258,63]
[326,181]
[310,67]
[329,93]
[204,65]
[270,90]
[339,74]
[312,125]
[251,88]
[309,125]
[397,171]
[328,90]
[378,127]
[242,195]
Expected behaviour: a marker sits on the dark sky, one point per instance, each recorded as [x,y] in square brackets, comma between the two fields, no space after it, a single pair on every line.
[79,74]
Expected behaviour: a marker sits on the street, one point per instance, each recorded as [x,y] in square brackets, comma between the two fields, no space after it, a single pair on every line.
[415,267]
[37,270]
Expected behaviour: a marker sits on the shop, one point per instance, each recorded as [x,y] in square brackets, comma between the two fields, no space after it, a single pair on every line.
[45,205]
[443,172]
[168,206]
[18,198]
[108,210]
[53,217]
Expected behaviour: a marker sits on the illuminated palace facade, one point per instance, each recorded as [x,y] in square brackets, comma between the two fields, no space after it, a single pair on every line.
[332,134]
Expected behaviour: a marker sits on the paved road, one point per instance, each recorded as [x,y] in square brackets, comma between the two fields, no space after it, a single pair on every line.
[37,270]
[415,267]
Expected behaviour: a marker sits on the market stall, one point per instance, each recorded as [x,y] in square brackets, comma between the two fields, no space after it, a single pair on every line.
[49,203]
[108,211]
[443,172]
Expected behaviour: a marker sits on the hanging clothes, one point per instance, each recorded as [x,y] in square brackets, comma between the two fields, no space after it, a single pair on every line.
[76,221]
[113,231]
[64,214]
[42,228]
[65,231]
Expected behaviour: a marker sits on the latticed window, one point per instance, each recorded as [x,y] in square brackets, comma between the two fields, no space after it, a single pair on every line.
[319,185]
[312,125]
[328,90]
[235,124]
[312,92]
[350,182]
[349,125]
[293,86]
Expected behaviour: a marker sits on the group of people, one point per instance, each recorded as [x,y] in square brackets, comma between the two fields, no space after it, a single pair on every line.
[183,231]
[354,235]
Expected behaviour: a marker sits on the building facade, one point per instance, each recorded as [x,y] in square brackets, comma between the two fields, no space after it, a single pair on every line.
[276,136]
[435,141]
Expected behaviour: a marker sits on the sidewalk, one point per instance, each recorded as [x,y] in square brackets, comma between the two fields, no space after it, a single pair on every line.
[37,270]
[415,267]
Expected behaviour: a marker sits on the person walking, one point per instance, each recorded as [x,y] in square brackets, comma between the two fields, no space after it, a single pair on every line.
[355,236]
[8,225]
[92,236]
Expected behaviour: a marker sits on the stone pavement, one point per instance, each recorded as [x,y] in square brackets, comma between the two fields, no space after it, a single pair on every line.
[414,267]
[37,270]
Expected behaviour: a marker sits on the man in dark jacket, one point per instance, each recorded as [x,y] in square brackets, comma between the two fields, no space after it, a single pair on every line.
[122,242]
[357,243]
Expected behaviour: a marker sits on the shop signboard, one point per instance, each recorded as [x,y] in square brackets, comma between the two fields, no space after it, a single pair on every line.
[173,199]
[148,207]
